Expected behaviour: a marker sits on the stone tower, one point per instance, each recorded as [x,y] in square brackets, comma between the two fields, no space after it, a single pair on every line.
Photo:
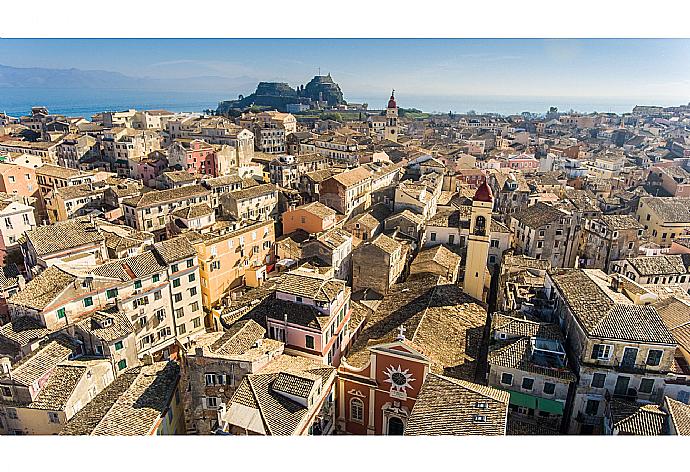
[391,130]
[478,242]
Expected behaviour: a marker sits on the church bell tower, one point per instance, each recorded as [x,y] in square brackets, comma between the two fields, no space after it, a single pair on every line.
[478,242]
[391,129]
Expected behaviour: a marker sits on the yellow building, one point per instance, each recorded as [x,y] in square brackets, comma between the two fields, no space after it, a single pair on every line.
[664,218]
[478,242]
[225,257]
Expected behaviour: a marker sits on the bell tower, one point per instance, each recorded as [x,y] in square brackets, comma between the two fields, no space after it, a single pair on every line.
[391,129]
[478,242]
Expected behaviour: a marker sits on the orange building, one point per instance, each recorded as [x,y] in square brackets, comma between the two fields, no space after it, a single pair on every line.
[313,218]
[226,257]
[18,180]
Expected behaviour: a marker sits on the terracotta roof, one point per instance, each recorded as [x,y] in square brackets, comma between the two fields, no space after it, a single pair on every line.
[307,285]
[318,209]
[159,197]
[604,313]
[174,250]
[64,235]
[60,386]
[252,192]
[658,265]
[43,288]
[637,419]
[24,330]
[448,406]
[42,361]
[352,177]
[679,415]
[131,405]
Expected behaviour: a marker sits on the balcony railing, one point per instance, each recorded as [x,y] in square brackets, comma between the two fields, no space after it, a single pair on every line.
[620,366]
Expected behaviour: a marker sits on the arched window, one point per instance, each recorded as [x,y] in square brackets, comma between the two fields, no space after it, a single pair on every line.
[480,226]
[396,427]
[357,410]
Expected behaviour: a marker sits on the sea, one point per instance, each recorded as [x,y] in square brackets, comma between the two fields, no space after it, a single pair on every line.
[88,102]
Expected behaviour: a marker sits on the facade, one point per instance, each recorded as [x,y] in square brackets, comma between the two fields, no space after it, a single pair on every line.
[259,202]
[544,232]
[664,218]
[313,218]
[378,264]
[618,348]
[609,238]
[225,257]
[334,248]
[347,191]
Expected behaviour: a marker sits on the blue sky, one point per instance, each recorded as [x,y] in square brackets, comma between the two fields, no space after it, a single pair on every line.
[625,68]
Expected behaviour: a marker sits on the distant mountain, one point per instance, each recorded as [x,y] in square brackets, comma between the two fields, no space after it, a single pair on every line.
[39,77]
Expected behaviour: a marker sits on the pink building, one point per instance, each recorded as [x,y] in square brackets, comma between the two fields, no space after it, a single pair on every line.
[195,156]
[522,162]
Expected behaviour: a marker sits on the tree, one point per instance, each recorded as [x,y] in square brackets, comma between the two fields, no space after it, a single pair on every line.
[332,116]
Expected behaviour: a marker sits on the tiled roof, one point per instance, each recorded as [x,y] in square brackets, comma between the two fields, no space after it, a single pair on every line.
[43,288]
[352,177]
[309,286]
[62,382]
[658,265]
[64,235]
[636,418]
[24,330]
[131,405]
[445,219]
[538,215]
[42,361]
[676,316]
[439,320]
[517,327]
[604,313]
[297,384]
[158,197]
[174,250]
[386,243]
[239,337]
[517,354]
[669,209]
[193,211]
[620,222]
[98,325]
[278,414]
[436,259]
[318,209]
[334,238]
[131,268]
[179,176]
[252,192]
[448,406]
[679,415]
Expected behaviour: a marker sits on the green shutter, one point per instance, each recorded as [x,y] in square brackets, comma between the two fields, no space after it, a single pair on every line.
[122,364]
[550,406]
[522,399]
[118,345]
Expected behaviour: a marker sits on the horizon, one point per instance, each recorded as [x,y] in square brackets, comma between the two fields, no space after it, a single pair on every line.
[601,70]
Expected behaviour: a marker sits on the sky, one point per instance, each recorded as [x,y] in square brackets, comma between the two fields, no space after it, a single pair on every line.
[606,68]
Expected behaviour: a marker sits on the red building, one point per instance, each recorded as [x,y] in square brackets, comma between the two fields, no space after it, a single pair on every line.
[195,156]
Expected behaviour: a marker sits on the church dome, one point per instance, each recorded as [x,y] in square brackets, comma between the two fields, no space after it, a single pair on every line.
[391,101]
[483,193]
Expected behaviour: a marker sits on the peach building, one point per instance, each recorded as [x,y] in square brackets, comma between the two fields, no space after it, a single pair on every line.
[225,258]
[313,218]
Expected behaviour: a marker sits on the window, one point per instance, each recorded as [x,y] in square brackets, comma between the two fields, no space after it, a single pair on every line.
[309,342]
[157,295]
[601,351]
[156,278]
[196,322]
[53,417]
[177,297]
[451,238]
[481,405]
[61,313]
[118,345]
[598,380]
[592,407]
[212,402]
[527,383]
[646,385]
[190,263]
[137,284]
[176,283]
[357,410]
[479,419]
[181,329]
[494,243]
[195,306]
[540,244]
[549,388]
[433,236]
[179,312]
[122,364]
[6,392]
[192,291]
[174,267]
[88,301]
[192,277]
[506,378]
[111,293]
[654,357]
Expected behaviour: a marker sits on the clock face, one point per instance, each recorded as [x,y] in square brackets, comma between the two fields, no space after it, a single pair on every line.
[399,379]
